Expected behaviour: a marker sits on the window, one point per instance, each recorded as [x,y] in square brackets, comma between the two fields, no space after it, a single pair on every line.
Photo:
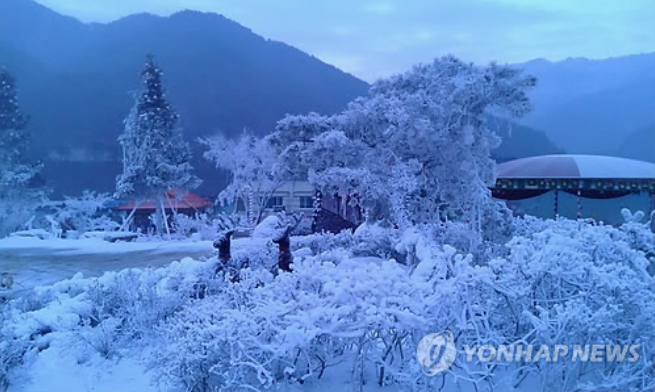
[306,202]
[275,202]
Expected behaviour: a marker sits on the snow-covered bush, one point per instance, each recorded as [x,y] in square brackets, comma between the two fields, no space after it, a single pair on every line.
[85,213]
[108,315]
[12,353]
[376,239]
[640,235]
[205,226]
[184,225]
[18,211]
[322,242]
[368,240]
[268,227]
[574,282]
[272,226]
[265,332]
[494,304]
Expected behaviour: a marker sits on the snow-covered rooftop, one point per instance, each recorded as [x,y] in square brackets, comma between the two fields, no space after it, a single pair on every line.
[175,200]
[576,166]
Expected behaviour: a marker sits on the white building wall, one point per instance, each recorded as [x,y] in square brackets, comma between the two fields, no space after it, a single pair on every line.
[291,192]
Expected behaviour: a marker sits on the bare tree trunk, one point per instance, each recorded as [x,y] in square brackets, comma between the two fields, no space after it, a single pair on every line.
[163,212]
[130,216]
[173,213]
[261,208]
[162,215]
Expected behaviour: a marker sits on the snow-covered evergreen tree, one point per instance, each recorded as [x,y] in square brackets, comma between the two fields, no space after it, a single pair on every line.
[17,171]
[10,114]
[15,163]
[155,156]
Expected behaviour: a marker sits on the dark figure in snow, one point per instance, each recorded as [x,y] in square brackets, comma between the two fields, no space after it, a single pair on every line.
[223,244]
[225,263]
[283,241]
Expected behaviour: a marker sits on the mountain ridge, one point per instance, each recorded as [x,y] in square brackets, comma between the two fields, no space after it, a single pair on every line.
[76,82]
[592,105]
[219,75]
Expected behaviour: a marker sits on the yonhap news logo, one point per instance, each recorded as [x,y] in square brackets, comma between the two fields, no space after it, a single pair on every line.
[436,353]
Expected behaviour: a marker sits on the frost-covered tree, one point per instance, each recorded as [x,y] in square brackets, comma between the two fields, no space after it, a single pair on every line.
[155,156]
[251,163]
[417,148]
[17,171]
[10,114]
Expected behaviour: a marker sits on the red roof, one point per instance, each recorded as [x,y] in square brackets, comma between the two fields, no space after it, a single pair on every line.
[175,200]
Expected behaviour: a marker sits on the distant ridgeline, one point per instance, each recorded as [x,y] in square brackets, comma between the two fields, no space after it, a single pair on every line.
[597,106]
[521,141]
[76,82]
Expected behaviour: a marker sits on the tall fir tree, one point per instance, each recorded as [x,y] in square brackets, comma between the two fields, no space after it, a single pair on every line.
[13,138]
[15,164]
[19,197]
[10,114]
[155,155]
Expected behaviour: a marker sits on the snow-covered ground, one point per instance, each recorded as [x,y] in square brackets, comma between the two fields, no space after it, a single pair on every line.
[35,262]
[347,315]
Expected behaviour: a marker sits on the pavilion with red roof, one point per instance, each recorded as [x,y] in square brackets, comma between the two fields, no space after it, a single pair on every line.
[180,202]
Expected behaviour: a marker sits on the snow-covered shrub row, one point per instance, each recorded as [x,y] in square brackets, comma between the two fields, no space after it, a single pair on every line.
[575,282]
[322,242]
[571,283]
[267,331]
[338,315]
[368,240]
[136,297]
[74,214]
[203,226]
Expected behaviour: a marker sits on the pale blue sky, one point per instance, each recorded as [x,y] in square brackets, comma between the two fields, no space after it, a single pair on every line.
[377,38]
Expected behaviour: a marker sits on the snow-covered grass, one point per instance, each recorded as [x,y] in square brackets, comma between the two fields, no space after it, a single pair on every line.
[347,315]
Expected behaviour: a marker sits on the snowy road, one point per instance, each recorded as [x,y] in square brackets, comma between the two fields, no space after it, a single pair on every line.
[34,262]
